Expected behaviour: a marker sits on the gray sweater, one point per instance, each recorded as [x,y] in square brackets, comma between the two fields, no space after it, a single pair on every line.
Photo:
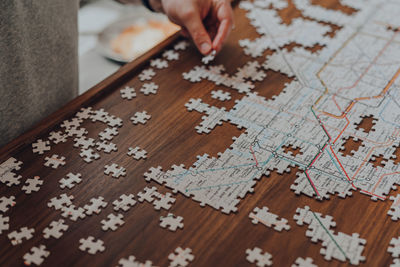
[38,61]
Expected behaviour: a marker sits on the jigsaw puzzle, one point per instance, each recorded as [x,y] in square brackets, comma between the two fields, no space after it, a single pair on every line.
[125,202]
[36,256]
[132,262]
[181,257]
[171,222]
[16,237]
[32,185]
[268,219]
[6,203]
[137,153]
[91,245]
[260,258]
[128,93]
[115,170]
[55,229]
[140,117]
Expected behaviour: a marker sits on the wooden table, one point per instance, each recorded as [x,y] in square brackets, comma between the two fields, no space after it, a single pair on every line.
[169,138]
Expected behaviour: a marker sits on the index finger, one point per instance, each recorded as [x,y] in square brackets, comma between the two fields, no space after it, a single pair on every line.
[225,16]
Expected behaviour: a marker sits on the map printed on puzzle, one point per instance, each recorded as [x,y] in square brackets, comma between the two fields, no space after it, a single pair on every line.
[353,78]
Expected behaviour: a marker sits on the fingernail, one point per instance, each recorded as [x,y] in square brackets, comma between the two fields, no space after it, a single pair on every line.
[205,48]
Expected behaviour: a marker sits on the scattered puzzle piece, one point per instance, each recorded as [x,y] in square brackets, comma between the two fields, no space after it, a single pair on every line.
[70,181]
[137,153]
[59,202]
[54,161]
[55,229]
[95,205]
[181,257]
[108,134]
[125,202]
[88,155]
[36,256]
[83,142]
[73,213]
[115,170]
[163,201]
[147,194]
[257,256]
[4,226]
[220,95]
[268,219]
[6,203]
[307,262]
[159,63]
[128,93]
[140,117]
[131,262]
[208,58]
[40,146]
[32,185]
[112,222]
[149,88]
[147,75]
[106,147]
[91,246]
[58,137]
[171,222]
[16,237]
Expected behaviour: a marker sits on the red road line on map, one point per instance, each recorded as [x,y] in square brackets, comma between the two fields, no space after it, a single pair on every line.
[380,179]
[254,155]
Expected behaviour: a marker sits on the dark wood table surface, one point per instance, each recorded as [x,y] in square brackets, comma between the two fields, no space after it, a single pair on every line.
[169,137]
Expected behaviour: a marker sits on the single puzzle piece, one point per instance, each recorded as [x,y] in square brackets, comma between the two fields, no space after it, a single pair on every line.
[83,142]
[40,146]
[394,247]
[61,201]
[32,185]
[307,262]
[147,75]
[70,181]
[113,121]
[58,137]
[128,93]
[4,223]
[131,262]
[6,203]
[147,194]
[125,202]
[149,88]
[171,55]
[394,211]
[55,229]
[77,132]
[159,63]
[182,45]
[88,155]
[220,95]
[91,245]
[268,219]
[10,178]
[106,147]
[99,115]
[137,153]
[54,161]
[210,57]
[115,170]
[181,257]
[84,113]
[171,222]
[73,123]
[140,117]
[163,201]
[396,263]
[257,256]
[36,256]
[108,134]
[73,213]
[16,237]
[95,205]
[112,222]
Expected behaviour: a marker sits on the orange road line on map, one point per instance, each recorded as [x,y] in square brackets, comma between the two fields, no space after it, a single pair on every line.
[380,179]
[369,155]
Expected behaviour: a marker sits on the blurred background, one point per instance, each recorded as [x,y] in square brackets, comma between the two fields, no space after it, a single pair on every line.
[112,33]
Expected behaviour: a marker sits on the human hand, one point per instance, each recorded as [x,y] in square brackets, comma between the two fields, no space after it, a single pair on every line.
[207,22]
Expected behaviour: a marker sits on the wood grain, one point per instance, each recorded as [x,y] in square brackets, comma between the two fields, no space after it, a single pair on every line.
[169,137]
